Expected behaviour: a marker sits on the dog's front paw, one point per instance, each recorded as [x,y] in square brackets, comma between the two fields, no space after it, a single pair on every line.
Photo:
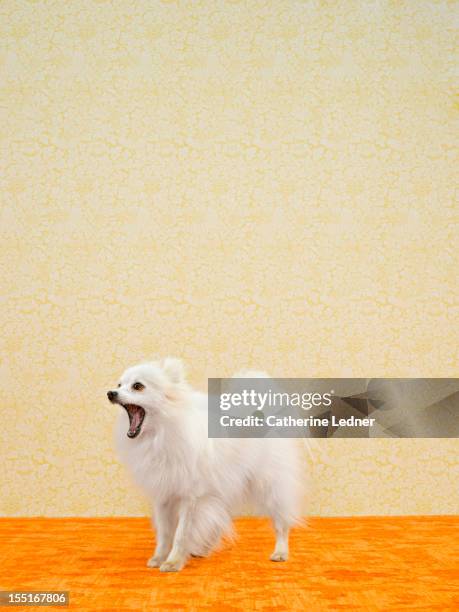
[279,556]
[171,566]
[154,561]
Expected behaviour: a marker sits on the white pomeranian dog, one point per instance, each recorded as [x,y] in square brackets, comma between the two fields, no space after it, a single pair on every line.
[196,483]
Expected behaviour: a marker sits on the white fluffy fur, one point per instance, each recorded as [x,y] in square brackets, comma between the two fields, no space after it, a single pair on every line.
[195,483]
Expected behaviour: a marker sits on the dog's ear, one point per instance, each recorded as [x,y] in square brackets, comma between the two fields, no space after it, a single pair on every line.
[174,369]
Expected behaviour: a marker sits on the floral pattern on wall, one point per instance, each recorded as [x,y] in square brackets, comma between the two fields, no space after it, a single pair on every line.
[241,184]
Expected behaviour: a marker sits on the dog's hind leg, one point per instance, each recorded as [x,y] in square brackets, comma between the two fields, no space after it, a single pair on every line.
[282,505]
[282,528]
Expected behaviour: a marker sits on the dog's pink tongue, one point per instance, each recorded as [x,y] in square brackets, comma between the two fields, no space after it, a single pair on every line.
[135,421]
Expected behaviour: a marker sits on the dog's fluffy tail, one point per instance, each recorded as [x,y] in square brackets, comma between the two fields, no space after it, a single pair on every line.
[211,522]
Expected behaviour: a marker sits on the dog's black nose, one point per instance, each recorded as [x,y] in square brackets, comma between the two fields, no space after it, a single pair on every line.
[112,395]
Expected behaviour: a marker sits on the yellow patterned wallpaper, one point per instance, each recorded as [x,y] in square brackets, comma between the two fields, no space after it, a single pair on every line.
[243,184]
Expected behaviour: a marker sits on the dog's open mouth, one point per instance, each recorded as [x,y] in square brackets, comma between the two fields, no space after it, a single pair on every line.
[136,416]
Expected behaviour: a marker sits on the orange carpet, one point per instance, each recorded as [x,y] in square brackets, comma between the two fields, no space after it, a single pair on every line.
[402,563]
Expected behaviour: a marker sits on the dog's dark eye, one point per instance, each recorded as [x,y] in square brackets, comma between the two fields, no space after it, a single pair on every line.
[138,386]
[119,384]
